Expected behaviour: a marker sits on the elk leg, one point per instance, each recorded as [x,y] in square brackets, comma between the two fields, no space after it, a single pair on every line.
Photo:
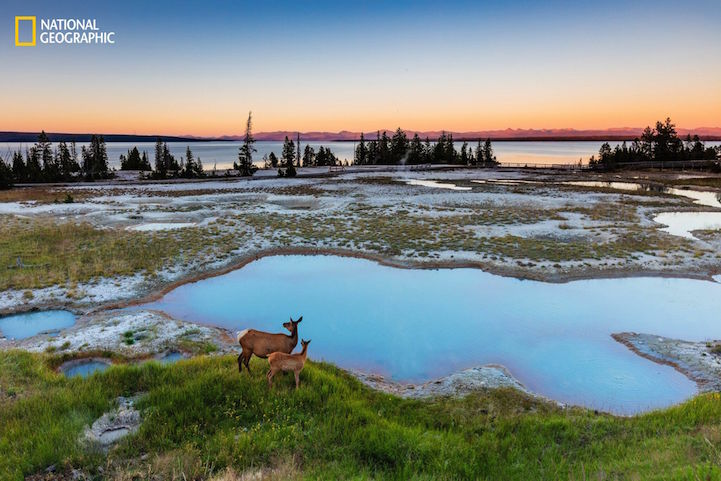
[297,379]
[240,363]
[246,360]
[270,379]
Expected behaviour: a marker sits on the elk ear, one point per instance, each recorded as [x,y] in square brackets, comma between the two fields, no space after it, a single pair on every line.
[299,319]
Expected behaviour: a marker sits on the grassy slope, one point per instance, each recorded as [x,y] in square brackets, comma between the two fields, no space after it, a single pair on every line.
[200,416]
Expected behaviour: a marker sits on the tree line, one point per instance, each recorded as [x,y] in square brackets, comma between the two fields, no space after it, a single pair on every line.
[43,163]
[290,159]
[166,165]
[398,149]
[659,144]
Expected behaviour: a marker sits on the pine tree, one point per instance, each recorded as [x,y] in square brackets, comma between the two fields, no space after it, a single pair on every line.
[465,159]
[288,157]
[6,175]
[245,153]
[361,152]
[66,165]
[95,159]
[19,170]
[161,169]
[415,150]
[489,157]
[384,156]
[49,166]
[273,160]
[33,168]
[190,169]
[399,146]
[308,156]
[297,153]
[144,162]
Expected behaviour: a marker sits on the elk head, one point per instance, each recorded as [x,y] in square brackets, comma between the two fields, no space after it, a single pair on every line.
[292,325]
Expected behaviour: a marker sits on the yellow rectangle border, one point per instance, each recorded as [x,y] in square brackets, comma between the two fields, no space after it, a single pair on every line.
[24,18]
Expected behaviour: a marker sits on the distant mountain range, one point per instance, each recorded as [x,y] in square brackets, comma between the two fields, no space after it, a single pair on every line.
[615,134]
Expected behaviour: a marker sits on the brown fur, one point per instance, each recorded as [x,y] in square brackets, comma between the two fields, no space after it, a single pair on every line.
[280,362]
[264,343]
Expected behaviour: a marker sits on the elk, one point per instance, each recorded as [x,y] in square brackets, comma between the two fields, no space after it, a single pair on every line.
[263,343]
[281,361]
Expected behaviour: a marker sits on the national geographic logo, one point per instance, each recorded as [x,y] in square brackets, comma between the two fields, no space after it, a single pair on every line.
[60,31]
[26,24]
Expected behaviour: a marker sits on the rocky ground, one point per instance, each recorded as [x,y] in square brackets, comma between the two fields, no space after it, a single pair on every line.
[700,361]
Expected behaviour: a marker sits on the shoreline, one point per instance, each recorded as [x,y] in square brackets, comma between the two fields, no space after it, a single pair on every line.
[158,290]
[692,359]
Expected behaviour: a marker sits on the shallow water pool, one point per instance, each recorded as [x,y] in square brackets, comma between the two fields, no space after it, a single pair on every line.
[420,324]
[85,369]
[20,326]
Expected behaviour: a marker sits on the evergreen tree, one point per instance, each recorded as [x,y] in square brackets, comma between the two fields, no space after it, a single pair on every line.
[190,170]
[288,157]
[32,163]
[399,146]
[361,152]
[384,151]
[372,155]
[308,156]
[49,166]
[171,164]
[66,165]
[245,153]
[489,158]
[132,161]
[427,151]
[465,159]
[161,168]
[273,159]
[19,171]
[95,159]
[416,153]
[144,162]
[6,175]
[297,152]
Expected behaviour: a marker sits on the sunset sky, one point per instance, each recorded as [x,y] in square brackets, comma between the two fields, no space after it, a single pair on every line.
[198,68]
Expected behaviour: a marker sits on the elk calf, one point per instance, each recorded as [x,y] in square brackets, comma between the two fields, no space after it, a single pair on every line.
[263,343]
[280,361]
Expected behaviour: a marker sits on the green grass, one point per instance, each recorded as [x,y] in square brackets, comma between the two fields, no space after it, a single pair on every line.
[66,252]
[200,417]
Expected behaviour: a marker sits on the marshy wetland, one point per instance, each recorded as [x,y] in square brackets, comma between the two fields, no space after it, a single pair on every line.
[402,277]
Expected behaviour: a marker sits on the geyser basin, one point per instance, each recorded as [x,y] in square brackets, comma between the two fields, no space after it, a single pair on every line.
[420,324]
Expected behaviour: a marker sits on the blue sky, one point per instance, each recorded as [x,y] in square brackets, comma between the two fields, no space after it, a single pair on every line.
[195,67]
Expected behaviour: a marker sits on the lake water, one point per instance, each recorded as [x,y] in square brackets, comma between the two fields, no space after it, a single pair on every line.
[416,325]
[223,154]
[20,326]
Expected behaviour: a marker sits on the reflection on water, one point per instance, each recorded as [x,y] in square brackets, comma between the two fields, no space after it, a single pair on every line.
[420,324]
[20,326]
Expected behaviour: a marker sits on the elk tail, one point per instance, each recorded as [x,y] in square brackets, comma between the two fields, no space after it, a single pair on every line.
[241,334]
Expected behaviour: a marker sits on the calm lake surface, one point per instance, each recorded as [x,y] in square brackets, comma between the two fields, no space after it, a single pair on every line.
[223,154]
[416,325]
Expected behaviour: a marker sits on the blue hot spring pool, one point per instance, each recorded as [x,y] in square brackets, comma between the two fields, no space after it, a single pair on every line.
[416,325]
[20,326]
[85,369]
